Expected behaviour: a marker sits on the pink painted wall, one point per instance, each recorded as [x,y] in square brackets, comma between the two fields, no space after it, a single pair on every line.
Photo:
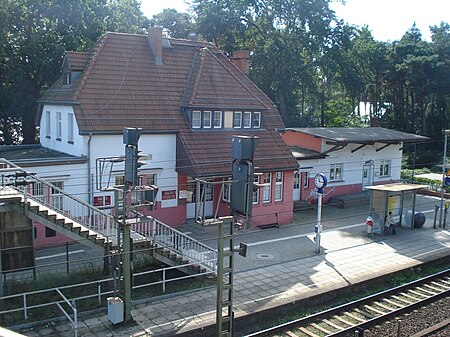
[40,240]
[275,212]
[292,138]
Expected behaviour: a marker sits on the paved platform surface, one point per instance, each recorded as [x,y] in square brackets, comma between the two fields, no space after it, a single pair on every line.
[348,256]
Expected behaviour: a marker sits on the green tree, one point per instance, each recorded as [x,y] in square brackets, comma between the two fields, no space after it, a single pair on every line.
[288,40]
[34,36]
[176,24]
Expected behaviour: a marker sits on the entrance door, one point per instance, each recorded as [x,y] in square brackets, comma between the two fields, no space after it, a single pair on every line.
[296,190]
[367,174]
[200,199]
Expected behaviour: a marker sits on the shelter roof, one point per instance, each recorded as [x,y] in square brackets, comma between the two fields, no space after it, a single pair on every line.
[397,187]
[361,135]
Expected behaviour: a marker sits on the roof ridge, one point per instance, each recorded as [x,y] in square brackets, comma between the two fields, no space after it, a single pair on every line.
[238,79]
[199,71]
[91,62]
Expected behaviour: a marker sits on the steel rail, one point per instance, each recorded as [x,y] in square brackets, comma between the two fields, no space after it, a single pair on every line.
[320,317]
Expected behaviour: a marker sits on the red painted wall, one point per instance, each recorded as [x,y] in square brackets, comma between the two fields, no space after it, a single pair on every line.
[292,138]
[275,212]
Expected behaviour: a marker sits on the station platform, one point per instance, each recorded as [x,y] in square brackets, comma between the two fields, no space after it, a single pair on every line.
[349,256]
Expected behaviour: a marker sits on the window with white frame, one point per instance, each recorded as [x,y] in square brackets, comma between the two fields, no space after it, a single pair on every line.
[148,179]
[385,168]
[247,119]
[58,126]
[256,191]
[67,78]
[207,119]
[237,119]
[278,186]
[296,180]
[336,172]
[38,189]
[267,181]
[70,125]
[48,124]
[196,119]
[119,181]
[226,192]
[56,197]
[256,119]
[217,119]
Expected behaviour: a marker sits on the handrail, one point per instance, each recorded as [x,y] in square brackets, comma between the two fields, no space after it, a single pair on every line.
[61,202]
[176,241]
[105,224]
[107,282]
[74,309]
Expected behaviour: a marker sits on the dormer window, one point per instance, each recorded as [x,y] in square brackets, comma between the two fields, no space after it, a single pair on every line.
[256,120]
[217,119]
[207,119]
[237,119]
[67,78]
[247,119]
[196,119]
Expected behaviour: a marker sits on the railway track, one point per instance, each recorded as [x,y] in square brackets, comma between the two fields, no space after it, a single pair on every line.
[344,320]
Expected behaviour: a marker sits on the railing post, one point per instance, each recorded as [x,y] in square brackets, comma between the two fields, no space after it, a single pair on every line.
[25,311]
[99,288]
[164,280]
[75,318]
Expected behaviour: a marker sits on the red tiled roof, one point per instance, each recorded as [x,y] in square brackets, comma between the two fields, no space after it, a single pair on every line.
[121,86]
[77,60]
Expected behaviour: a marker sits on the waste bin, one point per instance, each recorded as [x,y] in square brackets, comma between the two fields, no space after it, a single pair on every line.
[419,219]
[369,225]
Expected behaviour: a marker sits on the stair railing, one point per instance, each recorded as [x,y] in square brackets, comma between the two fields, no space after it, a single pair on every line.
[172,239]
[57,200]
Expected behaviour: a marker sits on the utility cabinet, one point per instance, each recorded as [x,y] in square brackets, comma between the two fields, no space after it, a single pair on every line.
[115,310]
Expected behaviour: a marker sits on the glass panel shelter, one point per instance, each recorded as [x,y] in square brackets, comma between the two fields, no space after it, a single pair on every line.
[399,198]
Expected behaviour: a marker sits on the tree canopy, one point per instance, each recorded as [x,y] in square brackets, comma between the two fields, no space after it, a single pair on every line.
[34,36]
[318,70]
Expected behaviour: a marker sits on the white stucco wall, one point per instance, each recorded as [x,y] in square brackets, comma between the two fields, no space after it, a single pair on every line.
[353,162]
[48,138]
[161,149]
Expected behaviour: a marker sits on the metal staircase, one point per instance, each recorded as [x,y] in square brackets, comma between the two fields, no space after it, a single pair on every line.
[75,218]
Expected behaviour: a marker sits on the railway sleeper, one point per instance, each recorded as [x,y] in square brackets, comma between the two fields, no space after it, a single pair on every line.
[421,296]
[340,319]
[364,313]
[397,305]
[337,327]
[434,288]
[383,306]
[375,310]
[447,282]
[320,328]
[354,317]
[402,300]
[443,286]
[431,293]
[308,332]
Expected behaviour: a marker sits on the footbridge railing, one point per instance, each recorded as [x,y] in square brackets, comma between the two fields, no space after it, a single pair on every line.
[17,181]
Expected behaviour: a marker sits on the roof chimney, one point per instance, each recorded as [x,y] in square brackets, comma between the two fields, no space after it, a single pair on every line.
[241,59]
[155,38]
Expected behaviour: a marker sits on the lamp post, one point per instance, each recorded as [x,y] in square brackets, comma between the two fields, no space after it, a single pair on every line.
[446,132]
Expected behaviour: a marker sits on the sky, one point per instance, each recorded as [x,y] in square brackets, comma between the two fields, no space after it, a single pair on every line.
[387,19]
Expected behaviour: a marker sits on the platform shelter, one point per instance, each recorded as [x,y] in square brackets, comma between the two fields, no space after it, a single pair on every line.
[400,198]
